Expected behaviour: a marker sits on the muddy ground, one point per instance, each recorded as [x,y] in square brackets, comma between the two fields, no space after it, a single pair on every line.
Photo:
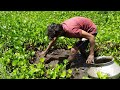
[78,66]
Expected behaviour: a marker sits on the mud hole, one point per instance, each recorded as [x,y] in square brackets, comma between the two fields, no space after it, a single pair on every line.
[78,66]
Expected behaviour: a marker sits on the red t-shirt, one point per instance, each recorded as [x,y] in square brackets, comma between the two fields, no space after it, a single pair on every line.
[73,27]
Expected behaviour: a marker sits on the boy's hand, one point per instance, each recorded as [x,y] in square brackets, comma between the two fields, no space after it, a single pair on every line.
[90,59]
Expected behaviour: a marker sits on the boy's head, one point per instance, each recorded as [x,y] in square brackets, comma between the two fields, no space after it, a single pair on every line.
[54,30]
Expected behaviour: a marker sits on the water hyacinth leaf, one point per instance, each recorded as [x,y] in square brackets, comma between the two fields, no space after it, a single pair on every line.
[68,75]
[69,71]
[85,77]
[21,63]
[17,47]
[42,59]
[42,72]
[48,71]
[57,69]
[15,62]
[65,61]
[61,37]
[69,47]
[24,68]
[17,54]
[102,75]
[14,72]
[33,53]
[1,45]
[7,60]
[54,75]
[45,38]
[63,74]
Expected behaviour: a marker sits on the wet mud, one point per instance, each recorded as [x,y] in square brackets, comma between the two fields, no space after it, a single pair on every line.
[78,66]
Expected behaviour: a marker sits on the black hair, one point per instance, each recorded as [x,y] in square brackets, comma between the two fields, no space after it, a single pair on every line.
[53,30]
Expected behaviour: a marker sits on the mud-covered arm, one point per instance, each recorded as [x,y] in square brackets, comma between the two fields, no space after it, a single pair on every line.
[91,39]
[50,45]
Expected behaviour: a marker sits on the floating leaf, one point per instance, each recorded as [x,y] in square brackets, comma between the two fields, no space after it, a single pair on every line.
[69,47]
[63,74]
[42,60]
[15,62]
[102,75]
[69,71]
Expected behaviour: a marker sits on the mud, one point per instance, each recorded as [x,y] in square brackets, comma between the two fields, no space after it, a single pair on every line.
[54,57]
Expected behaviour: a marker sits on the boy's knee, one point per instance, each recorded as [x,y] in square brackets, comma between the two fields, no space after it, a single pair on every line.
[74,50]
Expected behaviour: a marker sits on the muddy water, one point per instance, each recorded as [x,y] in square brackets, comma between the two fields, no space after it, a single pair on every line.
[78,65]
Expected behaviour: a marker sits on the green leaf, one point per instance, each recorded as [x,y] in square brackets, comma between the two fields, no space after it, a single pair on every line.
[21,76]
[24,68]
[33,53]
[8,60]
[48,72]
[54,75]
[68,75]
[63,74]
[14,62]
[42,60]
[14,72]
[1,45]
[21,63]
[31,72]
[17,47]
[102,75]
[69,47]
[69,71]
[61,37]
[65,61]
[57,69]
[85,77]
[27,77]
[42,72]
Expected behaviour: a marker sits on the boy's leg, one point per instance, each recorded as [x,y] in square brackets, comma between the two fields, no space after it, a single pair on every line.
[74,51]
[83,45]
[71,57]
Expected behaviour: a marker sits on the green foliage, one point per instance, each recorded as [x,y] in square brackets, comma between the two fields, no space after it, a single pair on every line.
[20,28]
[59,71]
[85,77]
[102,75]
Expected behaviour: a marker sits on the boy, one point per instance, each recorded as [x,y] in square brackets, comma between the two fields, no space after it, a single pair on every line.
[76,27]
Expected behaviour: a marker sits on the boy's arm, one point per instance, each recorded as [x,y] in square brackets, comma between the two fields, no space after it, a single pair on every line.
[50,45]
[91,39]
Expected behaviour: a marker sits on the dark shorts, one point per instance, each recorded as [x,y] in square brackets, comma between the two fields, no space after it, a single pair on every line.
[82,45]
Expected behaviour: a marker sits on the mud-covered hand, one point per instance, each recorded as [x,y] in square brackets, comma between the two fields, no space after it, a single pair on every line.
[90,59]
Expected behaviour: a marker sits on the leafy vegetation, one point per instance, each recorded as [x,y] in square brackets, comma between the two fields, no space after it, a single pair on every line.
[19,29]
[102,75]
